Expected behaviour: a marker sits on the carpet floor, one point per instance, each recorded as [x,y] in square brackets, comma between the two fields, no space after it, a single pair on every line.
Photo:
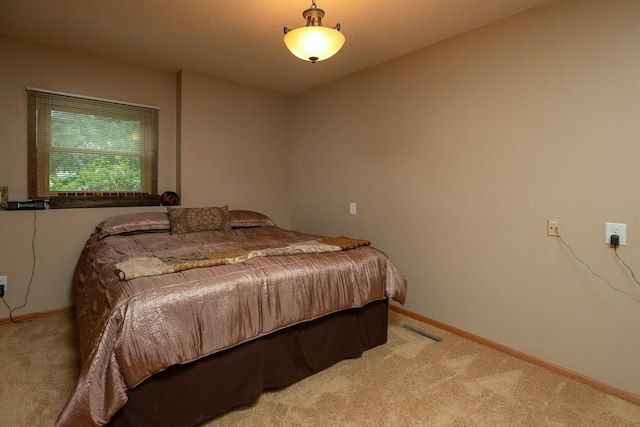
[410,381]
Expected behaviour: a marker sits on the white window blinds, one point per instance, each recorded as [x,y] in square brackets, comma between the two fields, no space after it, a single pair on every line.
[89,146]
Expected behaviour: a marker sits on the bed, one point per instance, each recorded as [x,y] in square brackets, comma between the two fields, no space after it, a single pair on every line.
[185,314]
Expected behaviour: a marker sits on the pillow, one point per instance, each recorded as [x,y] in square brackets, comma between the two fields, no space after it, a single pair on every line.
[191,220]
[139,222]
[242,219]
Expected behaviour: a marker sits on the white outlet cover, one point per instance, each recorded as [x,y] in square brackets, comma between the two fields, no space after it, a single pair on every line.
[615,228]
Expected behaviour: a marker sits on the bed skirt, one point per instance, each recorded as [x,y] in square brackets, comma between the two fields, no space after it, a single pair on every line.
[186,395]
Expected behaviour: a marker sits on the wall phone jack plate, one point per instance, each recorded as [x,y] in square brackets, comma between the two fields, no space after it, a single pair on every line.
[553,227]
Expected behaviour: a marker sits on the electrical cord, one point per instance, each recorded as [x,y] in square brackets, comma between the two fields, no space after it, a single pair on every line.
[33,271]
[595,274]
[615,248]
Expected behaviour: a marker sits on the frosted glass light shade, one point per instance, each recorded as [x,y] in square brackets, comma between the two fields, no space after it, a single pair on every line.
[314,43]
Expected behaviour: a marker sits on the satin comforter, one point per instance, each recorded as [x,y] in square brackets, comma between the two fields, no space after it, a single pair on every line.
[132,329]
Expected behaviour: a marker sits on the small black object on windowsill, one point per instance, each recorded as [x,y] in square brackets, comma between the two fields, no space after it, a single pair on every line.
[27,205]
[170,198]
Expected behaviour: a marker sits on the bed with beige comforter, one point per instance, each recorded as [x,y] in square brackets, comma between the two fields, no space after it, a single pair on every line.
[132,326]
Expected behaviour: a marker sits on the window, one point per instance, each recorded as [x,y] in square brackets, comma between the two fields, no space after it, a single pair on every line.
[86,146]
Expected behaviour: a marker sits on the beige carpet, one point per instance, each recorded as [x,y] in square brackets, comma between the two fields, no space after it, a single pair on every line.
[410,381]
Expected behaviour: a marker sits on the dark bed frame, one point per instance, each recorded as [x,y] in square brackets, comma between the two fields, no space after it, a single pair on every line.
[189,394]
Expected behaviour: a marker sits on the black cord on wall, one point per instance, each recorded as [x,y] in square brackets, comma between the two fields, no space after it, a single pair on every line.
[597,275]
[615,248]
[33,271]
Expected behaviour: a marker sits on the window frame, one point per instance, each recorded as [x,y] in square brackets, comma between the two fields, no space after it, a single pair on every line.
[40,105]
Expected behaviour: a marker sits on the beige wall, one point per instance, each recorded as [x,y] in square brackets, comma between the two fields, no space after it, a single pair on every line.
[234,146]
[60,234]
[456,155]
[32,65]
[218,121]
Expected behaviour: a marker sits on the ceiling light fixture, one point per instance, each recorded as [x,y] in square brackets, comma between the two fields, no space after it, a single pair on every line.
[314,42]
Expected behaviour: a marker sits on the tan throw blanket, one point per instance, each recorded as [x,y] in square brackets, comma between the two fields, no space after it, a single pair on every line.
[153,266]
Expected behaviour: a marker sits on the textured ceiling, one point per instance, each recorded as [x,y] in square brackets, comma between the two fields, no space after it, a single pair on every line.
[241,40]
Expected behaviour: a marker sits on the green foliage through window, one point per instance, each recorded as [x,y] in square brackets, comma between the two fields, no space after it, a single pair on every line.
[94,153]
[89,145]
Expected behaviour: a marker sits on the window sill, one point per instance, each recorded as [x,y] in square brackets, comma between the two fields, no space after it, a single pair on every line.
[72,202]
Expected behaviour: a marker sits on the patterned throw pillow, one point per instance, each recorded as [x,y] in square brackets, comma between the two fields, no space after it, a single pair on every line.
[191,220]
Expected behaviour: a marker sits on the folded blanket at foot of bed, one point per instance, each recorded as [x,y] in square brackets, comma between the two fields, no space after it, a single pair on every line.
[153,266]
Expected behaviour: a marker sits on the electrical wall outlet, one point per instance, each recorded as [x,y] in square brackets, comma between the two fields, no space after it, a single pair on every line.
[352,208]
[3,283]
[553,227]
[615,228]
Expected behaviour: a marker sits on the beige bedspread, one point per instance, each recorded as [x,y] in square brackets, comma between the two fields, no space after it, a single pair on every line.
[133,268]
[132,329]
